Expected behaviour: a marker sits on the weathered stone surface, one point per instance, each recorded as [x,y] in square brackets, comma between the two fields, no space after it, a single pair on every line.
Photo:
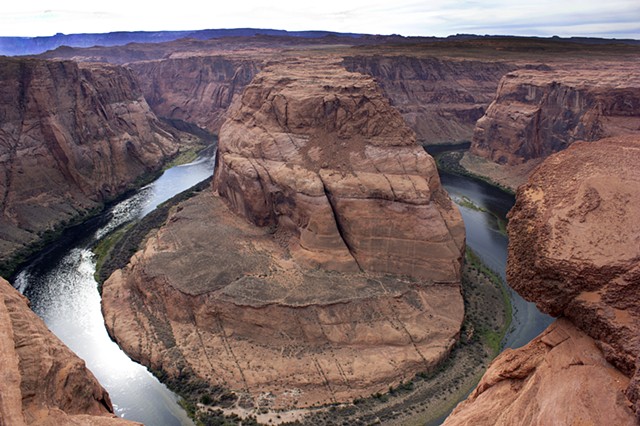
[71,137]
[574,244]
[559,378]
[317,153]
[213,297]
[42,381]
[303,309]
[537,113]
[441,99]
[197,88]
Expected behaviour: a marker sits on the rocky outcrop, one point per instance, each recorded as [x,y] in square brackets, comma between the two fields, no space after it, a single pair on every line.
[317,153]
[71,137]
[43,382]
[559,378]
[574,249]
[350,281]
[197,89]
[537,113]
[440,99]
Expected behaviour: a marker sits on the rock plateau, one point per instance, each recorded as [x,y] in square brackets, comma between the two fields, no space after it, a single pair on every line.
[536,113]
[325,268]
[71,137]
[43,382]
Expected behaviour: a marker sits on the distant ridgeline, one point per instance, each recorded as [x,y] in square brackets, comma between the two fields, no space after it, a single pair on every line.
[13,46]
[34,45]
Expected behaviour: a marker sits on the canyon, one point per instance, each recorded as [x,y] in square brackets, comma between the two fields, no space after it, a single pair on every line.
[327,244]
[312,269]
[72,137]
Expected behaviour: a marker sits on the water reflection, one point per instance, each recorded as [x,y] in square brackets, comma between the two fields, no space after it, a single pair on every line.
[63,291]
[482,207]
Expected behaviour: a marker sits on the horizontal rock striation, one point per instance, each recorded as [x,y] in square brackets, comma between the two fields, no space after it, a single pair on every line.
[43,382]
[574,251]
[71,137]
[559,378]
[197,89]
[537,113]
[440,99]
[348,284]
[317,153]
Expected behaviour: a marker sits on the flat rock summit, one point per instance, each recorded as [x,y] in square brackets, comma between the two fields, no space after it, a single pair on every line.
[326,265]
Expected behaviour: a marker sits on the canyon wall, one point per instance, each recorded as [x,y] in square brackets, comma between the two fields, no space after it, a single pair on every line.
[326,267]
[197,89]
[43,382]
[440,99]
[574,250]
[536,113]
[71,137]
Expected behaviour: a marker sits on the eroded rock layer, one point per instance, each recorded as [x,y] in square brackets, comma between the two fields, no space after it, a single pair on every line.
[537,113]
[575,244]
[317,153]
[559,378]
[350,281]
[71,137]
[43,382]
[440,99]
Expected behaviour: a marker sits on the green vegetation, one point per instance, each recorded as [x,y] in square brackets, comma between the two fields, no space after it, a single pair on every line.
[114,251]
[450,162]
[466,202]
[492,337]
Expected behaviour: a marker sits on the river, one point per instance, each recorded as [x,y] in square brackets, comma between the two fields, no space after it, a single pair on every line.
[63,292]
[60,284]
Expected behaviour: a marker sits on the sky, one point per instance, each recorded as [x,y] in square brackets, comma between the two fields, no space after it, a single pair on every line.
[591,18]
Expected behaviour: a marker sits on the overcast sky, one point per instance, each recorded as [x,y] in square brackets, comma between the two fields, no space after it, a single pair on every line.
[597,18]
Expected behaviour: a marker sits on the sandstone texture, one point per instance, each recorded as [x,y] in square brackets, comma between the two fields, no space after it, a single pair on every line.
[348,284]
[318,153]
[42,381]
[559,378]
[71,137]
[536,113]
[440,98]
[197,89]
[575,244]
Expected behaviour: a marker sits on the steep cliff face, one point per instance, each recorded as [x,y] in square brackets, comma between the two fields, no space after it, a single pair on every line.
[197,89]
[43,382]
[574,248]
[574,251]
[318,153]
[441,99]
[71,137]
[349,284]
[537,113]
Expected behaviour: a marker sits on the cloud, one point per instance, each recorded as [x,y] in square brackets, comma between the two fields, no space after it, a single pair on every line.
[407,17]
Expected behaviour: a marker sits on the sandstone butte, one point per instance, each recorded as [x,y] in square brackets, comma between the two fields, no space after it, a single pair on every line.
[42,381]
[71,137]
[326,266]
[575,251]
[538,112]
